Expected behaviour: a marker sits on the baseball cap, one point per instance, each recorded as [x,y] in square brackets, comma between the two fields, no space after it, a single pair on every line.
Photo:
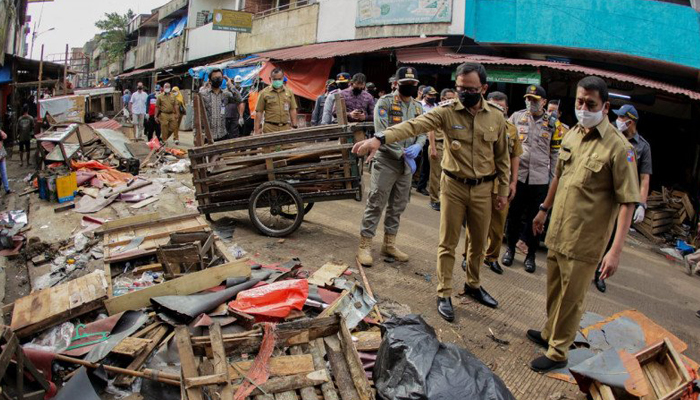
[238,79]
[330,82]
[535,91]
[628,111]
[342,77]
[370,85]
[429,90]
[392,79]
[407,74]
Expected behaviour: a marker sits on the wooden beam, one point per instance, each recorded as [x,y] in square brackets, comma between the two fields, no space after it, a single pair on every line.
[137,363]
[188,364]
[219,360]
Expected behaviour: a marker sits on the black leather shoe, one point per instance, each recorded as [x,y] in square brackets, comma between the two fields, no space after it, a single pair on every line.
[508,256]
[543,364]
[530,265]
[435,206]
[444,307]
[464,264]
[495,266]
[536,338]
[480,295]
[423,191]
[599,284]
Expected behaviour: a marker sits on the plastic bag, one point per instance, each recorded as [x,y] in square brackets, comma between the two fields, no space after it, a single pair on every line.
[179,167]
[54,340]
[154,143]
[273,300]
[413,364]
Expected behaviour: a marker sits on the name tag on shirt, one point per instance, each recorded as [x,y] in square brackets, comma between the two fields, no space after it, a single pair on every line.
[223,110]
[286,106]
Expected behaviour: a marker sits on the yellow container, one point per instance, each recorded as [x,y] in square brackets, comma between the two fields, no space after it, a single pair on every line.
[66,186]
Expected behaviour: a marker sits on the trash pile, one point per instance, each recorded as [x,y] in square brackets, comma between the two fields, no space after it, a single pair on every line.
[668,218]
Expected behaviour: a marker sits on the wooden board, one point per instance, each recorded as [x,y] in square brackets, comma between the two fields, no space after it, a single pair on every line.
[140,360]
[131,346]
[52,306]
[184,285]
[368,340]
[188,363]
[279,366]
[139,150]
[324,276]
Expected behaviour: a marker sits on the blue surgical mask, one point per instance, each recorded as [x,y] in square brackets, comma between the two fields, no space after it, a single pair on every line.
[277,83]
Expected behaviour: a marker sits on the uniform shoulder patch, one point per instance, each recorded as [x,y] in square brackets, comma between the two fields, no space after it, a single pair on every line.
[382,112]
[630,155]
[447,103]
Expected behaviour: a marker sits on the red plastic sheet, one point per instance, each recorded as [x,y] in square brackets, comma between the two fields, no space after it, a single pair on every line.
[274,300]
[306,78]
[92,164]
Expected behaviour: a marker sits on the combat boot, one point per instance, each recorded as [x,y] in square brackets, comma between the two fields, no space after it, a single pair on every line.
[364,252]
[389,248]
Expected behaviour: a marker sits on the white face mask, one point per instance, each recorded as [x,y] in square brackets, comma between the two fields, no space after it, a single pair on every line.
[621,126]
[589,119]
[533,106]
[167,90]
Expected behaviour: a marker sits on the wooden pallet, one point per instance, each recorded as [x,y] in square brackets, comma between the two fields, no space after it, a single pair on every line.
[12,354]
[297,368]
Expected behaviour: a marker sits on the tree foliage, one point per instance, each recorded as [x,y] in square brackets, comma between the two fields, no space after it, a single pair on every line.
[114,28]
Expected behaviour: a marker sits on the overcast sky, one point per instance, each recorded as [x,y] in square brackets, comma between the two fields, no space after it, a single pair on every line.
[74,21]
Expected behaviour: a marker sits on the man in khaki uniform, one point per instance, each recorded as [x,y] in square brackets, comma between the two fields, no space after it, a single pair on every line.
[167,113]
[392,169]
[594,182]
[276,105]
[498,217]
[475,156]
[436,149]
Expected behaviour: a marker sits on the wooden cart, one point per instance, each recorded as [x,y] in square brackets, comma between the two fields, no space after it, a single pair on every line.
[277,177]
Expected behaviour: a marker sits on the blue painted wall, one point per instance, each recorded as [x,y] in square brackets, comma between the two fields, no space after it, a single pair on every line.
[645,28]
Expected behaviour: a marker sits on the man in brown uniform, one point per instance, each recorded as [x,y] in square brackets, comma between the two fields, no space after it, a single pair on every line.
[595,180]
[476,155]
[276,104]
[167,113]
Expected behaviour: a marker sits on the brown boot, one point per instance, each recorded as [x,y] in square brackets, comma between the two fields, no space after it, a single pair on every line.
[389,248]
[364,252]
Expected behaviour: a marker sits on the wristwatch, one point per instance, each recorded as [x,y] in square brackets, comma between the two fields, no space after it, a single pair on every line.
[543,208]
[381,137]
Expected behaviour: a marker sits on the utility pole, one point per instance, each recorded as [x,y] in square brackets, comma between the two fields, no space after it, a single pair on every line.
[38,91]
[65,72]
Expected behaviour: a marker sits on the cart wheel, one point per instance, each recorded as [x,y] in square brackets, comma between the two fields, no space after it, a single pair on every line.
[270,202]
[307,208]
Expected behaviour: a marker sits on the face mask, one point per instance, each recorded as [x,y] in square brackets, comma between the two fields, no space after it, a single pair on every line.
[356,91]
[533,106]
[167,90]
[430,100]
[216,82]
[589,119]
[621,126]
[408,90]
[343,85]
[332,88]
[277,83]
[140,89]
[469,100]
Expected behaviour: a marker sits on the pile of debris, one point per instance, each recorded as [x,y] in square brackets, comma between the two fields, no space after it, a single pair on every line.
[668,218]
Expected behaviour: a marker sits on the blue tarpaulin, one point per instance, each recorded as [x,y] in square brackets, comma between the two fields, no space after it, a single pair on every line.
[6,73]
[248,73]
[174,29]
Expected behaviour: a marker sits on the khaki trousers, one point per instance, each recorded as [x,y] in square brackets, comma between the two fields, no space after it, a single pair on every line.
[270,128]
[168,126]
[435,173]
[495,234]
[568,281]
[388,188]
[458,200]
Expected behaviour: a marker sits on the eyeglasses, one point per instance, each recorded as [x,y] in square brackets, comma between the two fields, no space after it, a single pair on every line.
[470,90]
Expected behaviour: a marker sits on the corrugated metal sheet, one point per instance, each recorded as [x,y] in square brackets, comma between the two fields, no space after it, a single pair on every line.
[335,49]
[109,124]
[443,56]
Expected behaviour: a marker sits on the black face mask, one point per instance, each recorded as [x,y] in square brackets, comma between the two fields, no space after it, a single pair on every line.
[216,82]
[332,88]
[140,88]
[343,85]
[408,90]
[356,91]
[430,100]
[469,99]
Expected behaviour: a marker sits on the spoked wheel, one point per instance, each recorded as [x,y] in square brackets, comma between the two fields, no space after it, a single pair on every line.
[269,204]
[307,208]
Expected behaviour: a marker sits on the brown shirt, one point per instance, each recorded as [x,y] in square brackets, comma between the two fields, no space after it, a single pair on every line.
[476,145]
[167,104]
[515,148]
[597,172]
[276,104]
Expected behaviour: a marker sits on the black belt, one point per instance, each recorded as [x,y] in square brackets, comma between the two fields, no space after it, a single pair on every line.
[277,123]
[470,181]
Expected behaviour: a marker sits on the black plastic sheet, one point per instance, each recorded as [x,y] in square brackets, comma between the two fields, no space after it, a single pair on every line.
[413,364]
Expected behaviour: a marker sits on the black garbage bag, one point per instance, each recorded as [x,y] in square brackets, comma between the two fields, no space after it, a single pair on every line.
[413,364]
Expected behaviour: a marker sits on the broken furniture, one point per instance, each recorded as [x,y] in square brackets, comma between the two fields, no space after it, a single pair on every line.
[15,386]
[666,214]
[187,252]
[61,138]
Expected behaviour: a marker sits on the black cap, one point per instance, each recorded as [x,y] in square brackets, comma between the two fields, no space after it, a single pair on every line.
[429,90]
[535,91]
[342,77]
[407,74]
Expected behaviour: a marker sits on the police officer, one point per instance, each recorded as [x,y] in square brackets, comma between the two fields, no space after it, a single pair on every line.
[393,166]
[342,82]
[476,155]
[276,105]
[595,180]
[436,139]
[536,133]
[627,119]
[498,217]
[167,113]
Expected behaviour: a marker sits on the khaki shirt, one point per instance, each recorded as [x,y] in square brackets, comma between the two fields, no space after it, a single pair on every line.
[392,154]
[476,145]
[539,154]
[515,148]
[597,172]
[167,104]
[276,104]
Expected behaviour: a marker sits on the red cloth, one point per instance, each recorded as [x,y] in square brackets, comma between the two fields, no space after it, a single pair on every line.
[306,78]
[274,300]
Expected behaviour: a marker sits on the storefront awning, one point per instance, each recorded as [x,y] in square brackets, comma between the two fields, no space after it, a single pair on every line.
[136,72]
[336,49]
[306,78]
[446,57]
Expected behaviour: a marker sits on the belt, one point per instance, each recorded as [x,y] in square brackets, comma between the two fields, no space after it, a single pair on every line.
[470,181]
[439,140]
[277,123]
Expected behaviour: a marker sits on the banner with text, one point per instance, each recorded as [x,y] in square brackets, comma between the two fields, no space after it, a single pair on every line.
[395,12]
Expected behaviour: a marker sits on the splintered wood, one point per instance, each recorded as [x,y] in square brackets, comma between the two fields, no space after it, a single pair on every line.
[297,369]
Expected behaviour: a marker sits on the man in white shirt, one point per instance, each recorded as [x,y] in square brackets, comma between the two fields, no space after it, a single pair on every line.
[137,106]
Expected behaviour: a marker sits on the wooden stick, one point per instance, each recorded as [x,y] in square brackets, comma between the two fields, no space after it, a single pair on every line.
[126,380]
[368,288]
[152,374]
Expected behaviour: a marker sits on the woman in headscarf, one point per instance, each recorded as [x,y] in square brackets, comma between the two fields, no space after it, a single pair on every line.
[181,104]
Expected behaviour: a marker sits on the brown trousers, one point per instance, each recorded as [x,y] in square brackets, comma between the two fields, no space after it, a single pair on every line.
[435,173]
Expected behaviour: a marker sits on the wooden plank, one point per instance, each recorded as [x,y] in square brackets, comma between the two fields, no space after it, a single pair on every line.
[131,346]
[219,360]
[367,340]
[143,220]
[140,360]
[188,364]
[307,393]
[188,284]
[144,203]
[364,390]
[318,350]
[149,267]
[279,366]
[368,288]
[324,276]
[58,304]
[339,369]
